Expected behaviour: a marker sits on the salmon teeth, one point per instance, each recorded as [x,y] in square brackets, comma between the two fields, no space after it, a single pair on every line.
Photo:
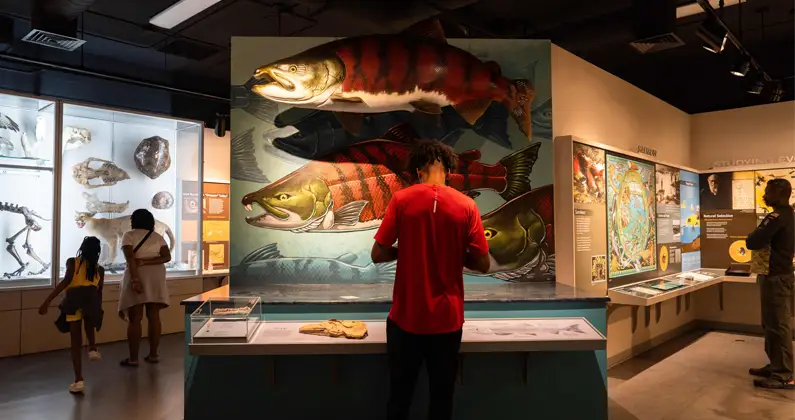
[248,207]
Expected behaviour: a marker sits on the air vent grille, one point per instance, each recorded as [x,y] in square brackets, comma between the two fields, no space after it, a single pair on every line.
[49,39]
[657,43]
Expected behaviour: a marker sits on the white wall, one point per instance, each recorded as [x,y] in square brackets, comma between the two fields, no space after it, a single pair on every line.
[746,136]
[592,104]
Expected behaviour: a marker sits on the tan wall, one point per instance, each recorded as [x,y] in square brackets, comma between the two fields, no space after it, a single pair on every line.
[745,136]
[592,104]
[623,343]
[216,156]
[25,331]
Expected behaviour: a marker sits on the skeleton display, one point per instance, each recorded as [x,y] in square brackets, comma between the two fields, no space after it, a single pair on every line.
[95,205]
[111,231]
[108,172]
[74,137]
[163,200]
[31,225]
[152,157]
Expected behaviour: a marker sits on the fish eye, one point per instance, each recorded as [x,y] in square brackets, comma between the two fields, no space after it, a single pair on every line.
[490,233]
[293,69]
[282,196]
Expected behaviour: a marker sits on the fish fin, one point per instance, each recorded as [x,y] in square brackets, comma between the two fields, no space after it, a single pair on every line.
[494,68]
[351,122]
[403,133]
[347,99]
[470,155]
[519,101]
[244,164]
[525,273]
[386,271]
[574,328]
[309,226]
[471,111]
[493,125]
[472,194]
[428,28]
[347,258]
[349,214]
[518,167]
[427,107]
[261,108]
[267,252]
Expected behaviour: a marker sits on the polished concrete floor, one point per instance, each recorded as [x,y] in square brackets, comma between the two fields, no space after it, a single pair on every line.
[696,376]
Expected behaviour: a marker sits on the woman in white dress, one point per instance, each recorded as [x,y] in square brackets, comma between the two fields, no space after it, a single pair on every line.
[144,284]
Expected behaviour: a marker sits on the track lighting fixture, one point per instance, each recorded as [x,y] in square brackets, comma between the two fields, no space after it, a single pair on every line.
[220,125]
[741,67]
[756,86]
[713,34]
[777,93]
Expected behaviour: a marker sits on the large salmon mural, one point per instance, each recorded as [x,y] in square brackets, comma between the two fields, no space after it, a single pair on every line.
[322,128]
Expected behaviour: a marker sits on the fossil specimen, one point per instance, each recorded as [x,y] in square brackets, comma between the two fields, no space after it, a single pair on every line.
[31,226]
[107,172]
[152,157]
[163,200]
[95,205]
[336,328]
[74,137]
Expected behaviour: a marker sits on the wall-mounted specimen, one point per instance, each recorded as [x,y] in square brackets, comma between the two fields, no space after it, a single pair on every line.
[111,231]
[6,147]
[421,73]
[95,205]
[31,225]
[163,200]
[152,157]
[74,137]
[107,172]
[6,123]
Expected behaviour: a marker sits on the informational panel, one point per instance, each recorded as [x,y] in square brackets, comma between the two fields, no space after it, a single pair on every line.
[669,220]
[743,190]
[690,228]
[724,237]
[590,218]
[631,219]
[761,179]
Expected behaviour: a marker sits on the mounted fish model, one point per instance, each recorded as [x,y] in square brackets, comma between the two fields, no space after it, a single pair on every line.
[413,71]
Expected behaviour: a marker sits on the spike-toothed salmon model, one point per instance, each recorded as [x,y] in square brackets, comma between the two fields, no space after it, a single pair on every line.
[350,189]
[413,71]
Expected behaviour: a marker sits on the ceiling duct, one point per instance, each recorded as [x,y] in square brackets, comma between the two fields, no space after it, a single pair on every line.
[54,23]
[653,23]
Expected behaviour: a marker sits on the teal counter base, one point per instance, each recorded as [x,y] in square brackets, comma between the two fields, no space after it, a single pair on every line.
[543,385]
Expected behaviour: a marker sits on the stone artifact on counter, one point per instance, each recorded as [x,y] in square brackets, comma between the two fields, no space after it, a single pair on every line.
[74,137]
[152,157]
[108,172]
[95,205]
[336,328]
[163,200]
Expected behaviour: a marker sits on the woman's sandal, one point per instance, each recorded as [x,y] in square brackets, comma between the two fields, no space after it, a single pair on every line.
[127,363]
[152,359]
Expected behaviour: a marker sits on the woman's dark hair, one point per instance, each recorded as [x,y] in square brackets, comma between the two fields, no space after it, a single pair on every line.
[142,219]
[779,190]
[426,152]
[89,252]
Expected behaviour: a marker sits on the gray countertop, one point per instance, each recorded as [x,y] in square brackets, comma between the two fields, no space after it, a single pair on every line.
[382,293]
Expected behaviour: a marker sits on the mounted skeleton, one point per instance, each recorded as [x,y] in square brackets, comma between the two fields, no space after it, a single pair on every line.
[31,225]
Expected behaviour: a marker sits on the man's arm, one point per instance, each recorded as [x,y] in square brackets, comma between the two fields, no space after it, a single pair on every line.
[477,253]
[383,248]
[762,236]
[381,253]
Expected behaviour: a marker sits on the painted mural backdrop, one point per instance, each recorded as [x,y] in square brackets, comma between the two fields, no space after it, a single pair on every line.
[321,128]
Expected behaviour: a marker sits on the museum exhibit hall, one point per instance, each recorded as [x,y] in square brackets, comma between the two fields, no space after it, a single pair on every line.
[363,210]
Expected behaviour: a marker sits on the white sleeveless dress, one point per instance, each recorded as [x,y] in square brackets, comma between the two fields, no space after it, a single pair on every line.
[153,277]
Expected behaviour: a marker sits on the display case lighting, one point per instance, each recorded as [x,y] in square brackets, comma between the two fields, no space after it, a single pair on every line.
[180,12]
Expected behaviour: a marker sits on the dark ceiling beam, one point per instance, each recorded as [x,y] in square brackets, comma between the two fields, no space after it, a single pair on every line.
[69,9]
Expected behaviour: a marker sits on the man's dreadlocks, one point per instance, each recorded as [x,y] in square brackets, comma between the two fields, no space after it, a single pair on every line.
[427,152]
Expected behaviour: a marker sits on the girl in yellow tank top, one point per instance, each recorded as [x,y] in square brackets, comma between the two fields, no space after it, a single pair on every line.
[81,308]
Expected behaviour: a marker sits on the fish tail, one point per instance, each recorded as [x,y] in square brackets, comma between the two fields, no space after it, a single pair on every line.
[518,167]
[519,99]
[386,272]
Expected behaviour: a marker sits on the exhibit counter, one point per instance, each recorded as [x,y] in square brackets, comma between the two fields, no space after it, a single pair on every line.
[523,345]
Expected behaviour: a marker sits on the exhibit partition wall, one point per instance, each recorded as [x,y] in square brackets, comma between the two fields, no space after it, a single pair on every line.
[311,185]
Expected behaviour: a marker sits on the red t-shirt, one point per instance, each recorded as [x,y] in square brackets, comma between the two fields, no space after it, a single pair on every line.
[428,296]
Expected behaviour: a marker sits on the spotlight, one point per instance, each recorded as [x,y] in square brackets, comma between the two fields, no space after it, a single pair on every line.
[741,68]
[713,34]
[756,86]
[777,93]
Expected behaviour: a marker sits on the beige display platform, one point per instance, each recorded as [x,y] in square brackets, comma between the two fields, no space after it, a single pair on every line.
[479,336]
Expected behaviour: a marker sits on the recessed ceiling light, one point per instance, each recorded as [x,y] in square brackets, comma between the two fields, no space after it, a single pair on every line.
[180,12]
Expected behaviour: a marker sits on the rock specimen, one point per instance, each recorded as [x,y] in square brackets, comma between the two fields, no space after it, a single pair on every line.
[163,200]
[152,157]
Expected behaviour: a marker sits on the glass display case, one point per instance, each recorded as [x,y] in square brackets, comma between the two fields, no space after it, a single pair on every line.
[227,320]
[26,191]
[115,162]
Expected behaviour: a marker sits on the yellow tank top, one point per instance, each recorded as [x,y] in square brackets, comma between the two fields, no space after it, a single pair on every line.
[80,277]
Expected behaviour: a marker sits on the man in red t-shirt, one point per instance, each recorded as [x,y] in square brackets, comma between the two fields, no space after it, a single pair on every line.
[439,232]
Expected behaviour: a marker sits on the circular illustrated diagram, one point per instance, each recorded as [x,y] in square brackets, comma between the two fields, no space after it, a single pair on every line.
[738,252]
[663,258]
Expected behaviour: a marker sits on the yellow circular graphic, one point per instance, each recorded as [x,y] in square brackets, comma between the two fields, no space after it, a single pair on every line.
[663,258]
[739,252]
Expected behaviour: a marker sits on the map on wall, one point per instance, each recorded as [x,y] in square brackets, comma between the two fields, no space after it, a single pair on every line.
[631,221]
